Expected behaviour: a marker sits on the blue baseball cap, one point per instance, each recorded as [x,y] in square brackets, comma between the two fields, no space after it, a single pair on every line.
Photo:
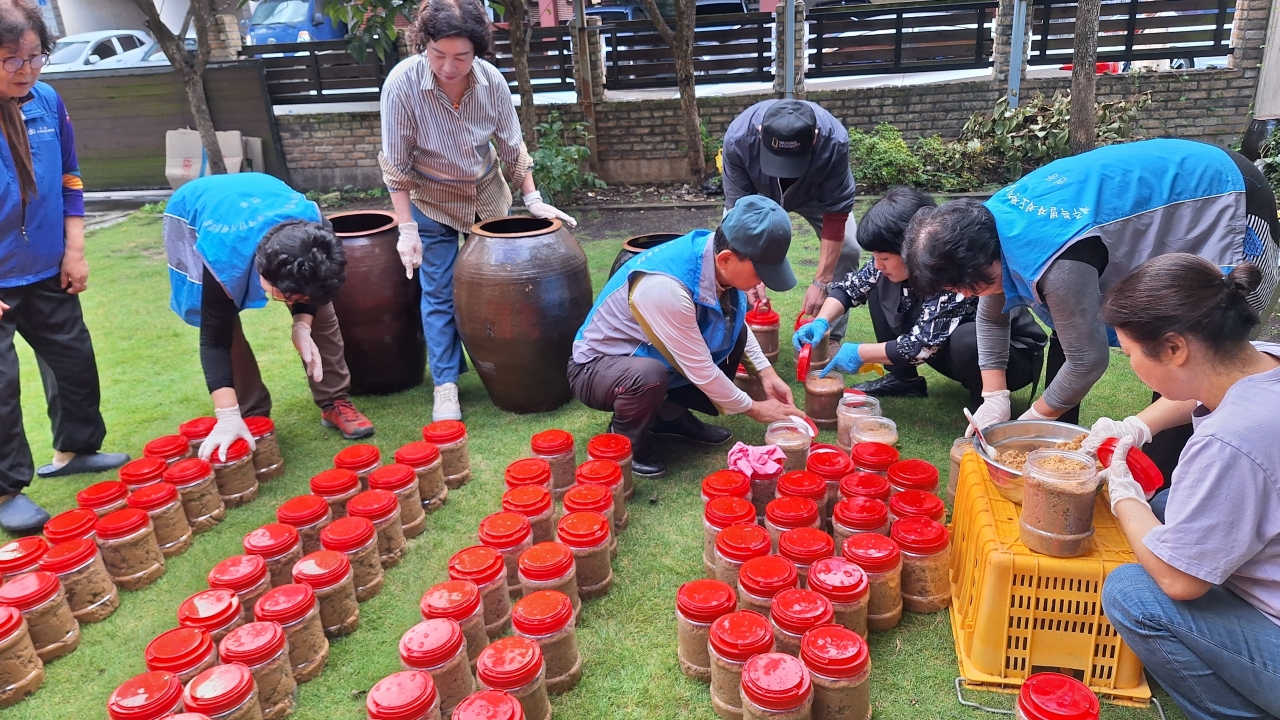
[760,229]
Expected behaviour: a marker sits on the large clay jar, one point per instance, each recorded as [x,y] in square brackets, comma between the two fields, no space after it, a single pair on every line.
[378,307]
[521,290]
[633,246]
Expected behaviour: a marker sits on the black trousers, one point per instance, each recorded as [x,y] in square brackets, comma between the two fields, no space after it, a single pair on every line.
[51,322]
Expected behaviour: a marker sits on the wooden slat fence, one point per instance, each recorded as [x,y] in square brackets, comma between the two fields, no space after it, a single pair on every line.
[909,38]
[726,48]
[1136,29]
[319,72]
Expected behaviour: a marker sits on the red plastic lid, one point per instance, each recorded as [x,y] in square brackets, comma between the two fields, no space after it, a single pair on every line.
[431,642]
[178,650]
[143,471]
[583,529]
[68,555]
[122,523]
[530,501]
[802,362]
[861,513]
[504,530]
[739,635]
[444,432]
[335,481]
[914,475]
[803,483]
[702,601]
[1051,696]
[480,564]
[546,561]
[726,483]
[804,545]
[236,451]
[453,599]
[252,643]
[197,429]
[827,448]
[775,681]
[588,498]
[599,472]
[271,540]
[790,512]
[542,613]
[765,576]
[874,455]
[218,690]
[260,426]
[209,610]
[509,663]
[347,534]
[188,471]
[830,465]
[722,512]
[406,695]
[609,446]
[394,477]
[834,651]
[167,447]
[153,497]
[763,314]
[838,580]
[187,716]
[373,504]
[551,442]
[71,525]
[103,494]
[796,610]
[322,569]
[302,510]
[866,484]
[488,705]
[1140,465]
[871,552]
[357,457]
[920,535]
[285,604]
[529,471]
[238,573]
[22,554]
[28,590]
[148,696]
[742,542]
[917,503]
[10,621]
[418,454]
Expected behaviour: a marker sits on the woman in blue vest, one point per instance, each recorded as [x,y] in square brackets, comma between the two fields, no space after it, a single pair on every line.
[42,272]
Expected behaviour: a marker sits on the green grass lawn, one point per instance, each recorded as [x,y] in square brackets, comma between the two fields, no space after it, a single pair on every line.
[151,381]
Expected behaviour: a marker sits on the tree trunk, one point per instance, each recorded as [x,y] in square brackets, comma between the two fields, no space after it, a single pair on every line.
[519,31]
[681,42]
[1084,78]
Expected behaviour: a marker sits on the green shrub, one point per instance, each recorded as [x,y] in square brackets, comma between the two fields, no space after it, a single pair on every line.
[951,166]
[557,163]
[710,147]
[1270,152]
[882,158]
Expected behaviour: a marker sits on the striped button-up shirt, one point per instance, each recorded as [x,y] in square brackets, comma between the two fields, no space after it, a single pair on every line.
[447,158]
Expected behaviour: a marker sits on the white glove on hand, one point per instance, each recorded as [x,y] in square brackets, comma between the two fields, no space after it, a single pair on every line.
[1120,482]
[1131,428]
[995,408]
[533,203]
[1033,414]
[229,428]
[308,351]
[410,247]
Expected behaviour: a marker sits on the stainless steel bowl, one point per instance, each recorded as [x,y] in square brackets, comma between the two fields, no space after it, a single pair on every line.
[1023,435]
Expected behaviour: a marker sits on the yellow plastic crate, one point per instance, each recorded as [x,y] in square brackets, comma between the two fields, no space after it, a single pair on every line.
[1015,612]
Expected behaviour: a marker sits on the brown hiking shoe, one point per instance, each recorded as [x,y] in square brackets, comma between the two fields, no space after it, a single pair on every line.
[347,419]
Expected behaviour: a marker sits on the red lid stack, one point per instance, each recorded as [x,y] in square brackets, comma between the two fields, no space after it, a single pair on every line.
[509,663]
[431,643]
[405,695]
[775,681]
[542,613]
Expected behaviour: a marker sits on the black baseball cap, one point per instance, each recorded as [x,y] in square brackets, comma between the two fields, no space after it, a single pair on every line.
[787,132]
[760,229]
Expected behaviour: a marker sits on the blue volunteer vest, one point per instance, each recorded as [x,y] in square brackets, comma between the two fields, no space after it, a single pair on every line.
[28,258]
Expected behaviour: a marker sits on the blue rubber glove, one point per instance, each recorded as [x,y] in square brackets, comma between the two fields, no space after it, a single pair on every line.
[810,333]
[845,361]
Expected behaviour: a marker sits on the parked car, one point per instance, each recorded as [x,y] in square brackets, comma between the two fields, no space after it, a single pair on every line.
[149,55]
[85,51]
[618,13]
[290,21]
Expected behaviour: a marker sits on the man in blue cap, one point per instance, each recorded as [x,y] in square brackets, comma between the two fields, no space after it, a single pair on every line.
[668,332]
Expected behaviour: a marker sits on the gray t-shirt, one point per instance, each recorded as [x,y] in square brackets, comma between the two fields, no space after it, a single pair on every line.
[1222,523]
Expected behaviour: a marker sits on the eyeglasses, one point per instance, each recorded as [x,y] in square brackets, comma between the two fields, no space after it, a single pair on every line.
[14,64]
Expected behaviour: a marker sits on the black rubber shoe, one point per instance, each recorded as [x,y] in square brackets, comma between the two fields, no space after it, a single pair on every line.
[691,428]
[892,386]
[649,468]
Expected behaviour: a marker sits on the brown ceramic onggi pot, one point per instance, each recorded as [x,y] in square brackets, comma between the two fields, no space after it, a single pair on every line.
[633,246]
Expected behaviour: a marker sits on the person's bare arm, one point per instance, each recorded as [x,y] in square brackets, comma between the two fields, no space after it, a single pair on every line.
[1136,520]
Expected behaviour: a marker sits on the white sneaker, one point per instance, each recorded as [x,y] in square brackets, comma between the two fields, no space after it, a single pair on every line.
[446,407]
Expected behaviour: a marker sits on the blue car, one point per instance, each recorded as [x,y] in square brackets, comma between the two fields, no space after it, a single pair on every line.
[291,21]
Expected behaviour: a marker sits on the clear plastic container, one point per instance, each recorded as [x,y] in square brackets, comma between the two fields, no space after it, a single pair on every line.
[236,479]
[857,515]
[550,566]
[162,503]
[764,488]
[873,457]
[557,449]
[184,651]
[21,671]
[874,429]
[880,558]
[356,538]
[547,618]
[154,694]
[52,628]
[805,546]
[515,666]
[916,503]
[787,513]
[735,638]
[91,594]
[1060,490]
[750,384]
[959,447]
[510,534]
[294,606]
[424,458]
[698,604]
[200,499]
[450,436]
[587,535]
[535,504]
[169,448]
[912,474]
[795,611]
[406,695]
[279,546]
[607,473]
[853,405]
[615,447]
[764,323]
[308,514]
[215,611]
[761,578]
[268,463]
[438,647]
[329,574]
[839,667]
[776,687]
[717,515]
[261,647]
[460,601]
[793,439]
[129,549]
[845,585]
[822,397]
[926,564]
[224,692]
[401,481]
[104,498]
[735,545]
[246,576]
[593,498]
[485,567]
[337,486]
[21,556]
[360,459]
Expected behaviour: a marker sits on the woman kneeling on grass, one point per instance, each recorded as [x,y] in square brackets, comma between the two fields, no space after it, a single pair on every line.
[1202,607]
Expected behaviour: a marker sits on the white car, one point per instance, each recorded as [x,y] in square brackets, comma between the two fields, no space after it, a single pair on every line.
[149,55]
[86,50]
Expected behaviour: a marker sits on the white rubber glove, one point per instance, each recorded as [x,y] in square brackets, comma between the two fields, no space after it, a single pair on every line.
[229,428]
[1120,482]
[1033,414]
[308,351]
[410,247]
[995,408]
[533,203]
[1130,427]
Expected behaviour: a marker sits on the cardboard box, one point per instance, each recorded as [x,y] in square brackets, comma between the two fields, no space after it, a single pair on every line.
[185,158]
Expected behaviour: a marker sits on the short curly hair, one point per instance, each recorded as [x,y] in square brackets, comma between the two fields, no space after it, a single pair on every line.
[441,19]
[302,258]
[952,247]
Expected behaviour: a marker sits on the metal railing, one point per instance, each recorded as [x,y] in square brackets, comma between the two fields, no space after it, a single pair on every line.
[1136,29]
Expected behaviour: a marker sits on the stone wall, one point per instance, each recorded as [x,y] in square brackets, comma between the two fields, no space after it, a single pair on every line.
[333,150]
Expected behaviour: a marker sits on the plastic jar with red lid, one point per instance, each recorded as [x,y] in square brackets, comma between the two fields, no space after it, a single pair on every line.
[279,546]
[142,472]
[839,665]
[39,597]
[857,515]
[308,514]
[749,383]
[489,705]
[1052,696]
[163,504]
[764,489]
[224,692]
[853,405]
[21,670]
[803,547]
[382,508]
[450,436]
[484,566]
[864,484]
[916,503]
[169,448]
[528,472]
[403,483]
[358,540]
[587,535]
[515,666]
[261,647]
[735,545]
[733,639]
[547,618]
[725,483]
[21,556]
[794,612]
[73,524]
[880,558]
[460,601]
[763,577]
[424,458]
[295,608]
[787,513]
[244,575]
[873,457]
[328,572]
[831,467]
[698,604]
[215,611]
[268,463]
[926,564]
[793,439]
[91,593]
[764,322]
[912,474]
[607,473]
[807,484]
[104,498]
[360,459]
[406,695]
[149,696]
[337,486]
[534,503]
[196,431]
[510,534]
[776,686]
[438,646]
[201,501]
[593,498]
[234,475]
[183,651]
[129,548]
[718,514]
[615,447]
[846,586]
[1059,492]
[556,449]
[550,566]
